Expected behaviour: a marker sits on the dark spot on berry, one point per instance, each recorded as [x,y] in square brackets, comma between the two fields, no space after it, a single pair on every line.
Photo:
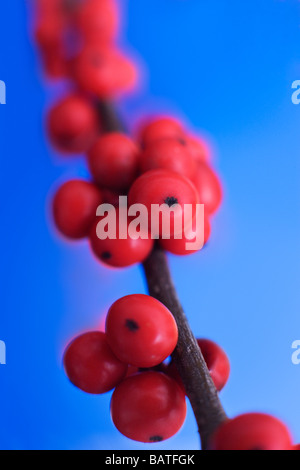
[171,201]
[106,255]
[182,142]
[132,325]
[156,439]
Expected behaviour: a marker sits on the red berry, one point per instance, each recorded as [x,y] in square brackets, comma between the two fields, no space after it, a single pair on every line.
[74,208]
[296,447]
[198,149]
[209,188]
[113,161]
[97,20]
[161,128]
[141,331]
[252,431]
[148,407]
[170,154]
[103,71]
[216,360]
[164,187]
[90,364]
[72,124]
[119,252]
[182,246]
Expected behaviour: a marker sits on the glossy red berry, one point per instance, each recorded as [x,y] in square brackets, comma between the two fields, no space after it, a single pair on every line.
[97,21]
[209,188]
[216,360]
[90,364]
[169,154]
[141,331]
[157,187]
[74,208]
[72,124]
[148,407]
[160,128]
[113,161]
[252,431]
[119,252]
[192,240]
[103,71]
[198,149]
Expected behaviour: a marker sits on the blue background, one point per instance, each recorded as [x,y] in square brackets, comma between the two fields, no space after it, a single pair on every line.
[227,68]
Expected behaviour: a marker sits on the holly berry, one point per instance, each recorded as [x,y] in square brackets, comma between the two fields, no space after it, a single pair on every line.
[164,187]
[209,188]
[118,252]
[252,431]
[161,128]
[113,161]
[216,360]
[72,124]
[90,364]
[141,331]
[148,407]
[103,71]
[97,21]
[170,154]
[190,240]
[74,208]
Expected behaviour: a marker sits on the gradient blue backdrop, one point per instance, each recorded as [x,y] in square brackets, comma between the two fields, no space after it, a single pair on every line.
[227,68]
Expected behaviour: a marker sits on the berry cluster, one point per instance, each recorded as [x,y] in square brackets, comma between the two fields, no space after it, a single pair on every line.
[148,403]
[164,166]
[76,40]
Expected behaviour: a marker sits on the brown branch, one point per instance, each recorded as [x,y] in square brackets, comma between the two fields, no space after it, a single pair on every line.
[187,356]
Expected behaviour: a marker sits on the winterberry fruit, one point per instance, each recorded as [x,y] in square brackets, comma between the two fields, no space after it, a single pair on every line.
[160,128]
[72,124]
[103,71]
[97,21]
[74,208]
[198,149]
[117,251]
[191,241]
[141,330]
[252,431]
[169,154]
[113,161]
[157,187]
[148,407]
[216,360]
[209,188]
[91,365]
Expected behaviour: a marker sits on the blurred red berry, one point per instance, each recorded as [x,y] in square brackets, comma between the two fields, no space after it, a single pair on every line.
[91,365]
[148,407]
[157,187]
[198,149]
[252,431]
[97,20]
[209,188]
[141,330]
[160,128]
[113,161]
[197,234]
[72,124]
[119,252]
[74,208]
[103,71]
[169,154]
[216,360]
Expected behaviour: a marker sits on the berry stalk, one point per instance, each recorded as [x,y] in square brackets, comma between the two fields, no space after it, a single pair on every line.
[187,356]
